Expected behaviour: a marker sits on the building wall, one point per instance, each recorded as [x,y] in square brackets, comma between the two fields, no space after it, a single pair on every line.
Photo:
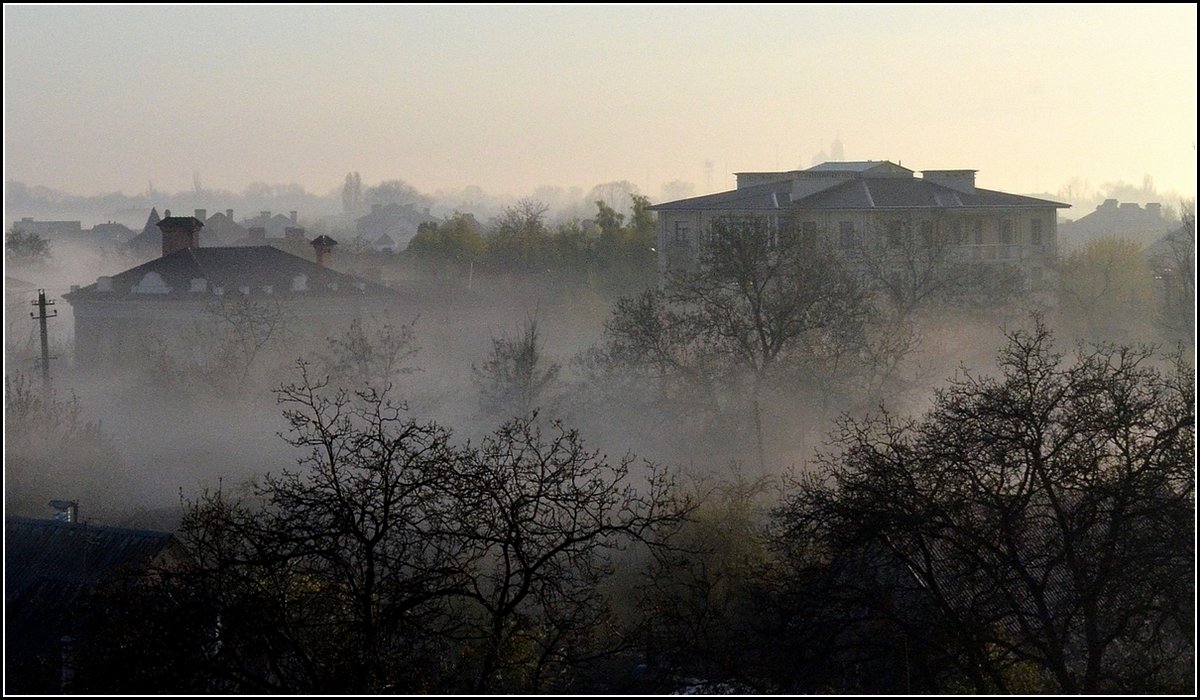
[118,332]
[681,232]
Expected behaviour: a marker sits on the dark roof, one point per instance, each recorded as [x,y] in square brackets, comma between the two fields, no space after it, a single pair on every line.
[909,193]
[233,268]
[856,193]
[852,166]
[323,241]
[190,223]
[151,220]
[769,195]
[63,559]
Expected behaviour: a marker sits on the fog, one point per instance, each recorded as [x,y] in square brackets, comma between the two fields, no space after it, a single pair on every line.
[180,430]
[472,374]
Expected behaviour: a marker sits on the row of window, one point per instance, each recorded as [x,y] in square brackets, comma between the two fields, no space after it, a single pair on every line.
[897,232]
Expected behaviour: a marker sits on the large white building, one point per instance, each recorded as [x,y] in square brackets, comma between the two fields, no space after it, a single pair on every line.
[851,204]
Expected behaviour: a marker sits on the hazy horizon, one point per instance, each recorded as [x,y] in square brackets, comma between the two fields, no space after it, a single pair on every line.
[510,98]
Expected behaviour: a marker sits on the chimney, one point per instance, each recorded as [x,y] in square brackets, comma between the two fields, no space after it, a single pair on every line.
[324,247]
[960,180]
[1154,209]
[229,213]
[258,235]
[265,214]
[292,213]
[202,214]
[179,232]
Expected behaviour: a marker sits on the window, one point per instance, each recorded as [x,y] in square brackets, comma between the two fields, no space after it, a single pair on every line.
[681,233]
[978,231]
[895,231]
[846,237]
[1035,232]
[1006,231]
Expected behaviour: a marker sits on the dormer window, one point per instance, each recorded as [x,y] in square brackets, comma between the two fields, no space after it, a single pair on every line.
[152,283]
[199,284]
[300,283]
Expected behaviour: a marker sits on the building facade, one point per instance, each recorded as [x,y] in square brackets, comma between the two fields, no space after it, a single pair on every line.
[852,205]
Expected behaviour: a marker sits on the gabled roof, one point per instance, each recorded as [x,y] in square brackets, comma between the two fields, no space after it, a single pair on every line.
[58,560]
[233,268]
[151,221]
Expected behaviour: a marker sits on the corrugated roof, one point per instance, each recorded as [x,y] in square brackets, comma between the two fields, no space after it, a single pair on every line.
[232,268]
[48,555]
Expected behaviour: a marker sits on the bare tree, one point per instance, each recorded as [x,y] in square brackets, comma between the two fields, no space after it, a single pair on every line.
[516,378]
[762,304]
[543,516]
[244,329]
[395,561]
[1034,529]
[371,352]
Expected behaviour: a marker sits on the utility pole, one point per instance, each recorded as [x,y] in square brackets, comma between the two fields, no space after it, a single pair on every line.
[41,317]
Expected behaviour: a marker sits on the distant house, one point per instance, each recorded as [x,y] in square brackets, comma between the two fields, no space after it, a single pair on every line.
[1120,219]
[50,567]
[221,229]
[115,316]
[49,230]
[147,243]
[399,223]
[110,235]
[849,204]
[106,236]
[276,226]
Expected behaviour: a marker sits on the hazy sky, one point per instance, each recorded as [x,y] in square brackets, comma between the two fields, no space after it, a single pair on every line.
[105,98]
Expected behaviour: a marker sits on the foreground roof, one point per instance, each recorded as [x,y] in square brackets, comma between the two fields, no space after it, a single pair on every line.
[58,560]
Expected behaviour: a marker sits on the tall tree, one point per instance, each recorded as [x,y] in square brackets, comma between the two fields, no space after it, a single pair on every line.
[1034,531]
[762,306]
[516,378]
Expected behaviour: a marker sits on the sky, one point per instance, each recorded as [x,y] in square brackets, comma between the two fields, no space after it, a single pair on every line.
[100,99]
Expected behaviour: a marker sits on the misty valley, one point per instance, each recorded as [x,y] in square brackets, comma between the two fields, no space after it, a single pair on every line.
[845,429]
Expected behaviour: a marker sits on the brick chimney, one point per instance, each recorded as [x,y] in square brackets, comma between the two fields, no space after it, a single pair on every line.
[292,215]
[229,213]
[257,235]
[179,232]
[202,214]
[324,247]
